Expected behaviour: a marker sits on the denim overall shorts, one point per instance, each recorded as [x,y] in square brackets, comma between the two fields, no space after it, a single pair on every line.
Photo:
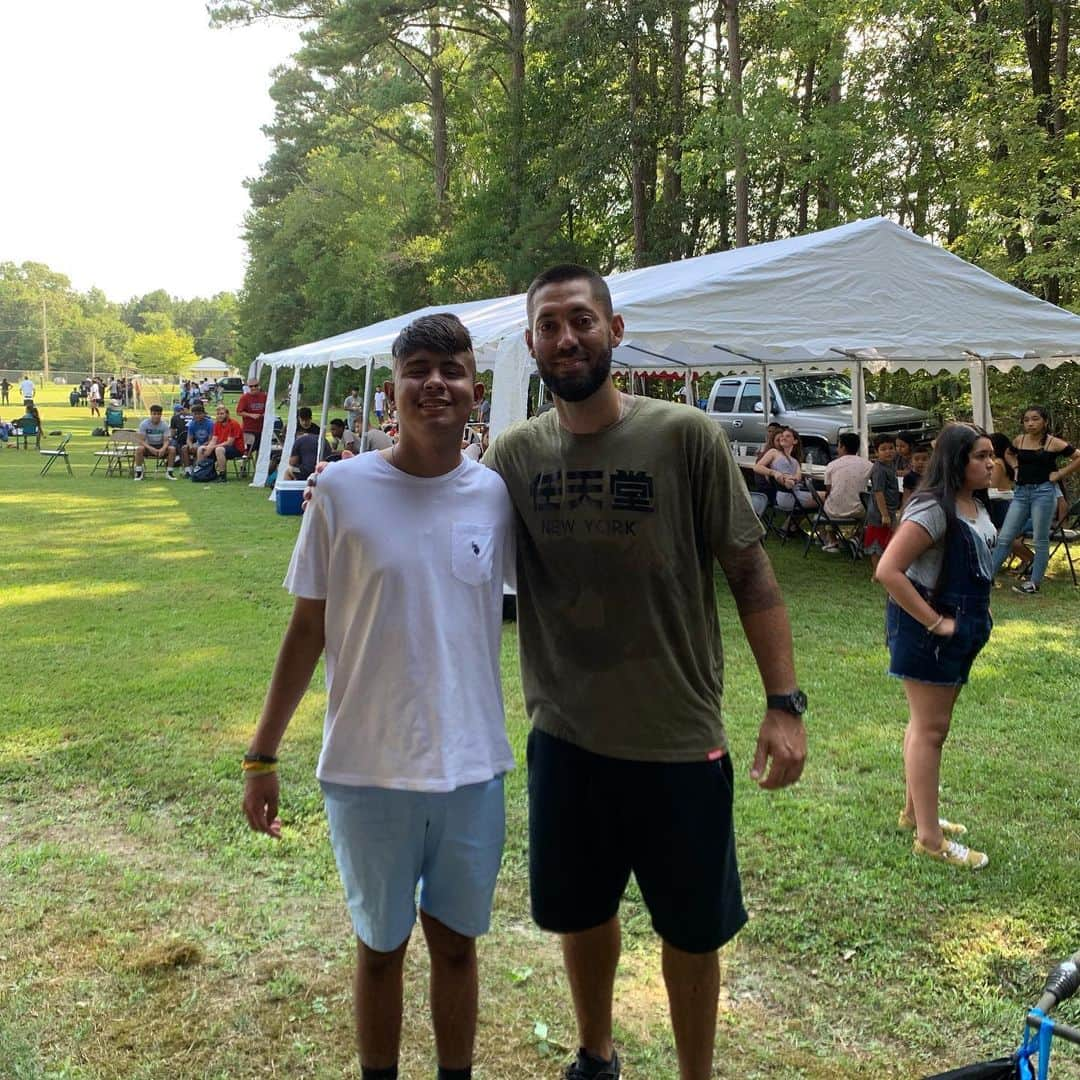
[964,595]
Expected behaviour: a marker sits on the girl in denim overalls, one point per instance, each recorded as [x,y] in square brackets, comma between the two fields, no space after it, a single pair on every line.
[938,572]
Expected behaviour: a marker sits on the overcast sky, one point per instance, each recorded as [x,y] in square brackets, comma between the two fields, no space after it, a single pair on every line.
[128,128]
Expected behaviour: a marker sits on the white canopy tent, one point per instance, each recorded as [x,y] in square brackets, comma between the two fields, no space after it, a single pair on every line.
[209,365]
[865,296]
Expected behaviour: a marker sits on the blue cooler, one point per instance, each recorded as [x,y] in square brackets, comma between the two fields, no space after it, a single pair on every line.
[289,496]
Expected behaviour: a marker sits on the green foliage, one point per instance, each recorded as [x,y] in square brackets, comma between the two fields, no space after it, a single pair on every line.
[427,153]
[166,351]
[81,327]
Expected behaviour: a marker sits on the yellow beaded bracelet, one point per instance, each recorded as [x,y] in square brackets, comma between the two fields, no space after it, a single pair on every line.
[257,768]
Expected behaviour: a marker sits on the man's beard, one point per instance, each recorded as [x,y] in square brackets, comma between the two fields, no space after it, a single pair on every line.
[584,384]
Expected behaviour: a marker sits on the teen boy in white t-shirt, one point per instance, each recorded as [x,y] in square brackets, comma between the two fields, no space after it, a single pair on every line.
[401,549]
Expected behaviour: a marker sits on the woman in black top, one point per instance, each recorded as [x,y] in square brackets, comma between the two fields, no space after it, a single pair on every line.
[1037,453]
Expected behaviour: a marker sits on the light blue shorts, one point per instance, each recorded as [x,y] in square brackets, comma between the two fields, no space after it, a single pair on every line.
[388,842]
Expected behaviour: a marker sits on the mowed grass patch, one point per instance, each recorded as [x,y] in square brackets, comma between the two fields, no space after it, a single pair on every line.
[145,932]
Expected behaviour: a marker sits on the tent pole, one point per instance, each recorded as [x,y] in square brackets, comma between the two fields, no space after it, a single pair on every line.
[766,397]
[859,419]
[325,410]
[631,370]
[290,426]
[689,387]
[262,462]
[980,391]
[368,370]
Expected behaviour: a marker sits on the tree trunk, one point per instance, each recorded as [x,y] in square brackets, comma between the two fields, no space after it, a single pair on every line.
[803,210]
[516,18]
[439,138]
[742,180]
[1061,64]
[638,203]
[673,192]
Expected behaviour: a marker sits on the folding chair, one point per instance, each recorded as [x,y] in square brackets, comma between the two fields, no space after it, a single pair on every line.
[240,464]
[760,502]
[27,427]
[796,516]
[850,541]
[1065,534]
[119,452]
[60,451]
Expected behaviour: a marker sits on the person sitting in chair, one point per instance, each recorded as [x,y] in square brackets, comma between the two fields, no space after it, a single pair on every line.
[199,433]
[226,443]
[153,436]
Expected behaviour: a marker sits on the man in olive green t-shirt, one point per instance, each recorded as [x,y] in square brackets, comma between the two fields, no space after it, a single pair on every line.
[622,506]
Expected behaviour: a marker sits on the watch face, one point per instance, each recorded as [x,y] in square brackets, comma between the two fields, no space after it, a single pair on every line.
[798,702]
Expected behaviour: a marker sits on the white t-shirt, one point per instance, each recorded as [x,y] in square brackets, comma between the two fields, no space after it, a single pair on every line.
[380,401]
[846,477]
[412,570]
[27,388]
[927,567]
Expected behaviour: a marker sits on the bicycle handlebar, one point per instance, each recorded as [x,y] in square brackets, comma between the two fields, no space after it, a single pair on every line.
[1061,984]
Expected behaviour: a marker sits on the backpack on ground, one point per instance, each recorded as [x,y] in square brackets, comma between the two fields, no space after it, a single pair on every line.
[204,472]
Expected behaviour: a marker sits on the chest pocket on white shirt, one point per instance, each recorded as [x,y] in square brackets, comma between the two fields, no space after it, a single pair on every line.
[472,552]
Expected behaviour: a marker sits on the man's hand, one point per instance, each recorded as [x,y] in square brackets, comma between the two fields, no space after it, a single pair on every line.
[261,803]
[313,479]
[781,744]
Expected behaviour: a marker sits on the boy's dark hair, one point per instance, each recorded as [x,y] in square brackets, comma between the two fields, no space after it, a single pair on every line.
[850,441]
[442,333]
[303,413]
[881,440]
[906,436]
[155,408]
[922,448]
[555,275]
[198,407]
[337,420]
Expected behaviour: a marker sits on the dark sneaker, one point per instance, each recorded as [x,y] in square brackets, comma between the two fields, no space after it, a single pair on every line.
[587,1067]
[221,478]
[1026,588]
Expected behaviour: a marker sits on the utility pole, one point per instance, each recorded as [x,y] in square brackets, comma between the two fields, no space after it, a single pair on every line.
[45,337]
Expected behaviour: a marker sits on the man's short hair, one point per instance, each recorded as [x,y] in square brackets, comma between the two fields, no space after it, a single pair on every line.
[850,441]
[198,407]
[555,275]
[442,333]
[155,408]
[303,413]
[337,421]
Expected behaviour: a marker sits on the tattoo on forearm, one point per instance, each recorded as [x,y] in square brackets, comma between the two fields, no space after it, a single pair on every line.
[750,577]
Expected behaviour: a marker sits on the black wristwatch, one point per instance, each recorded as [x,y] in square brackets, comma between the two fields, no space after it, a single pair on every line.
[794,703]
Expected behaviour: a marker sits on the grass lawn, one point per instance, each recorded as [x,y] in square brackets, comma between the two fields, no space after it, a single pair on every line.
[146,933]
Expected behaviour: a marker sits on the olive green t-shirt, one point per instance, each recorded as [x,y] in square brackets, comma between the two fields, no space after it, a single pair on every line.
[616,539]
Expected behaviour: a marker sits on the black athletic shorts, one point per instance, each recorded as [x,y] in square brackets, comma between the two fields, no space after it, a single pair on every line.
[594,819]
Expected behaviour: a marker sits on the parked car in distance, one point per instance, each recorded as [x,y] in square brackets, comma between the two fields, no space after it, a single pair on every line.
[231,384]
[817,404]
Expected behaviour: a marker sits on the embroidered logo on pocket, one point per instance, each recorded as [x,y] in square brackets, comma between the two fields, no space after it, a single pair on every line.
[472,552]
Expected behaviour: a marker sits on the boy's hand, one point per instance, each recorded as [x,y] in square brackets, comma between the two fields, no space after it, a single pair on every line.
[261,803]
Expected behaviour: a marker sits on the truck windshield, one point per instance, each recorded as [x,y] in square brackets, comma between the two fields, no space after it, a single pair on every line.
[813,391]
